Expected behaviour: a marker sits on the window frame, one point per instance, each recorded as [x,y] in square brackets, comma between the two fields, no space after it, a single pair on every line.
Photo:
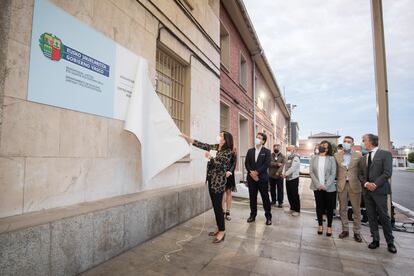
[186,88]
[228,117]
[243,57]
[227,52]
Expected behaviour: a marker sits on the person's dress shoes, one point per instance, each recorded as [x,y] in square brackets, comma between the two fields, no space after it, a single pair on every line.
[280,206]
[320,231]
[251,219]
[268,222]
[374,244]
[357,238]
[329,234]
[219,240]
[343,235]
[392,248]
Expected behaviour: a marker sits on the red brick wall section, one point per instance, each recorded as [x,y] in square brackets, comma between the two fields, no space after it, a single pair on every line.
[237,46]
[231,89]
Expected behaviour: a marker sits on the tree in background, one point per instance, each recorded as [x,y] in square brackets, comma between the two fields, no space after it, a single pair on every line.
[411,157]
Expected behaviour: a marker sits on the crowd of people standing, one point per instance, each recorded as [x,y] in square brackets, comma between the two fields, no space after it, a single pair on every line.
[346,175]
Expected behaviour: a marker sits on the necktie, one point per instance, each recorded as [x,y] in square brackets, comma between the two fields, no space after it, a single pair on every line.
[369,165]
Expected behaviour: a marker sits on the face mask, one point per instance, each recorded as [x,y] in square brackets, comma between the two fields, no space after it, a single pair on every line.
[276,150]
[346,146]
[218,138]
[363,149]
[322,149]
[258,141]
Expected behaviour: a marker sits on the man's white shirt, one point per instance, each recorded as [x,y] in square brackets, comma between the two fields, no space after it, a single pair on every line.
[373,151]
[257,152]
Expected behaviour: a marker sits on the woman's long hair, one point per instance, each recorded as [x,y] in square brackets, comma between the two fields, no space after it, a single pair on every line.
[330,148]
[228,141]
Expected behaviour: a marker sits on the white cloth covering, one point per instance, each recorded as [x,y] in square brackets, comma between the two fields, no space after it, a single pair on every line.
[151,123]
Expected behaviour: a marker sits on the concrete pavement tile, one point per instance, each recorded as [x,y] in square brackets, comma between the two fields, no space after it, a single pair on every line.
[158,245]
[399,267]
[170,269]
[278,236]
[267,266]
[281,253]
[405,242]
[312,271]
[192,259]
[318,242]
[114,266]
[245,246]
[182,233]
[237,261]
[320,261]
[361,268]
[383,254]
[213,270]
[320,251]
[361,256]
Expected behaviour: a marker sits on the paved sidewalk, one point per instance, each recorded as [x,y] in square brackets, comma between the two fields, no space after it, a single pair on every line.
[289,247]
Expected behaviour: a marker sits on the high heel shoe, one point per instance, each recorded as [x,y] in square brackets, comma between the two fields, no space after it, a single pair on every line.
[320,231]
[227,215]
[328,234]
[219,241]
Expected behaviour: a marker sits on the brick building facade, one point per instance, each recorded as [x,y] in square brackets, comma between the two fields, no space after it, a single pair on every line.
[250,100]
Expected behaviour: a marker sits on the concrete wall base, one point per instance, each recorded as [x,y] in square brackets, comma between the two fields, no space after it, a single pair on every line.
[67,241]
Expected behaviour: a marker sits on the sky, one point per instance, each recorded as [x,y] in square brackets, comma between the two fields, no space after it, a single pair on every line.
[322,55]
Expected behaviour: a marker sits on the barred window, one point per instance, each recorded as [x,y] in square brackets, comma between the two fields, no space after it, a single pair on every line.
[243,71]
[224,46]
[224,118]
[170,87]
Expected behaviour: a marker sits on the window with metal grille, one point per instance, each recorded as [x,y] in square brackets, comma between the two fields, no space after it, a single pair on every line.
[224,118]
[243,71]
[224,47]
[170,87]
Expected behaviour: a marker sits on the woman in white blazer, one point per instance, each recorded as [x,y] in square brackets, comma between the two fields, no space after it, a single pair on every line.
[322,171]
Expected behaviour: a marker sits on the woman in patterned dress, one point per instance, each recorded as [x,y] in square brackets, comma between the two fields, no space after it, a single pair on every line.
[219,156]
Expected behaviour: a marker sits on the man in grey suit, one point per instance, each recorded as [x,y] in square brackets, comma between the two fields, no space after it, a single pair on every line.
[375,170]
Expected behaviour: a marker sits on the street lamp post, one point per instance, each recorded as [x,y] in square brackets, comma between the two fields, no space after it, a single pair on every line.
[381,83]
[380,75]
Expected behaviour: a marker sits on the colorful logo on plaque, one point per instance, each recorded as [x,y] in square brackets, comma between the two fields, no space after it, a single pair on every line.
[53,48]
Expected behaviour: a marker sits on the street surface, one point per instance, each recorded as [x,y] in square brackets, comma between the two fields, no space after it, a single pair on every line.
[403,188]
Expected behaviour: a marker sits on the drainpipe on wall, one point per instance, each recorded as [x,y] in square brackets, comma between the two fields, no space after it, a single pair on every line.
[254,99]
[258,52]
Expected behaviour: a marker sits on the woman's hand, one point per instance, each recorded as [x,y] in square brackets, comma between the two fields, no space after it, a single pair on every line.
[187,138]
[207,155]
[322,188]
[228,174]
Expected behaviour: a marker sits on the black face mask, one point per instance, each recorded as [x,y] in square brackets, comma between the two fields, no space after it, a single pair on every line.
[322,149]
[276,150]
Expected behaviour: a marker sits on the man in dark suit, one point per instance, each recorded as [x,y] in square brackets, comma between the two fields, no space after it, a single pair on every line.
[257,162]
[375,170]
